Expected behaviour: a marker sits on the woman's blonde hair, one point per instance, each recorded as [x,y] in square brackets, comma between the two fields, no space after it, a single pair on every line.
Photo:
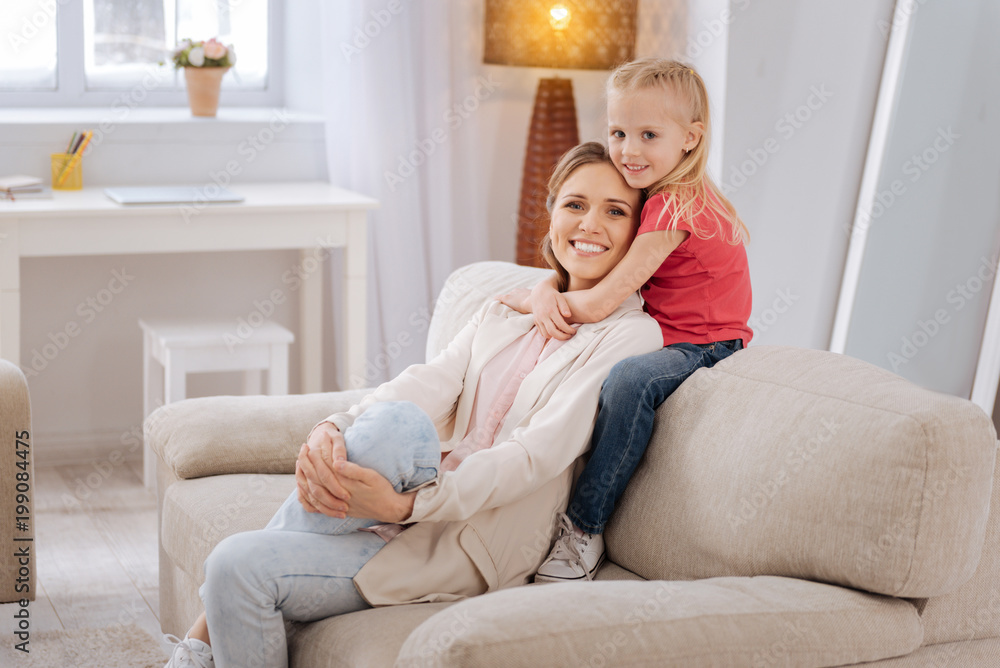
[688,189]
[588,153]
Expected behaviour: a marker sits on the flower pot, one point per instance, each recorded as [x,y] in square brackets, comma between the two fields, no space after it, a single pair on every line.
[203,84]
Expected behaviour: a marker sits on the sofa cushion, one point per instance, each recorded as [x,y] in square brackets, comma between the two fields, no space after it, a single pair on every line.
[365,638]
[197,514]
[717,622]
[808,464]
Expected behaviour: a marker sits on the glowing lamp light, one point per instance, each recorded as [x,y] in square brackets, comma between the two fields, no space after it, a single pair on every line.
[559,17]
[563,34]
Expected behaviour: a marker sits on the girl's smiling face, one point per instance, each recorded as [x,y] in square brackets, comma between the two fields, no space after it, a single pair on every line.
[645,140]
[594,219]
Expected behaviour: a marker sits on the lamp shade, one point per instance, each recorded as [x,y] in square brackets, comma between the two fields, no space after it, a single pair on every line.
[572,34]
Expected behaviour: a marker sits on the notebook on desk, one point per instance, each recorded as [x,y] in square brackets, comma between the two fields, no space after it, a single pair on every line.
[171,195]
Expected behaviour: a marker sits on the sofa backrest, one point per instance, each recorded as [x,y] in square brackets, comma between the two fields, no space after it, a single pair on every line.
[466,290]
[808,464]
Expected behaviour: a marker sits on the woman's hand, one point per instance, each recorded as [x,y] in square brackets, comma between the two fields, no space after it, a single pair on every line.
[318,486]
[551,310]
[371,495]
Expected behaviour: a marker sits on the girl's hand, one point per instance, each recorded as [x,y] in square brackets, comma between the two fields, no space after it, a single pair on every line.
[551,310]
[372,496]
[517,299]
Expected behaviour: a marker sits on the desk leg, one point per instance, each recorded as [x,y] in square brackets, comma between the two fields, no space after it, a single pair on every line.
[355,300]
[311,326]
[10,293]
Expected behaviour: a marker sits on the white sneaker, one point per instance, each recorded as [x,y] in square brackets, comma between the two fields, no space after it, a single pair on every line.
[573,557]
[189,653]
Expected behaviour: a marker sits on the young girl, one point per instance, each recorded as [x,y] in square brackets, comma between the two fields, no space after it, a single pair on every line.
[495,401]
[689,260]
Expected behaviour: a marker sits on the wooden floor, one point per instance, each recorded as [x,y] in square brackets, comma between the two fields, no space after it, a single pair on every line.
[96,560]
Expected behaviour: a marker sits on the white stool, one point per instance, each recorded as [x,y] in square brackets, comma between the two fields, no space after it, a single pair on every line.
[184,346]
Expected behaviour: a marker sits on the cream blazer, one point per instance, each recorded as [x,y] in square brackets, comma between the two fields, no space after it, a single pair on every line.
[489,524]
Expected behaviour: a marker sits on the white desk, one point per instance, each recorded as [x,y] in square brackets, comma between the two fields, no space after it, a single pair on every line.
[307,216]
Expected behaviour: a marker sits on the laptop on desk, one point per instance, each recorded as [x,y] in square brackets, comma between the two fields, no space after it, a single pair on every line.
[171,195]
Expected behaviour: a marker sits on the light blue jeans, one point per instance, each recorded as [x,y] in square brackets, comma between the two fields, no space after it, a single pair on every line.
[301,566]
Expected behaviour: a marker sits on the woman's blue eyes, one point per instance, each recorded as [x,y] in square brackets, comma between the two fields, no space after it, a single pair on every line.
[577,206]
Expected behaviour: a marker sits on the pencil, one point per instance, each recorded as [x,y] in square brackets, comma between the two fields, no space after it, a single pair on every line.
[72,142]
[75,160]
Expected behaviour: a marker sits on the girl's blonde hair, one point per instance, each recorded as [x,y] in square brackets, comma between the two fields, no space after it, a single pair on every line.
[688,188]
[588,153]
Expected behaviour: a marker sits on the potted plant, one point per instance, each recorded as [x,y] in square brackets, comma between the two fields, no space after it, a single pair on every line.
[204,63]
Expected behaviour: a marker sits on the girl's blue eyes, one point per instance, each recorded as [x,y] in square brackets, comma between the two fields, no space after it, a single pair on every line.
[618,134]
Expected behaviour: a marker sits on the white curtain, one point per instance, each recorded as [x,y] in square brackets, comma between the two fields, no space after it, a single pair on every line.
[393,72]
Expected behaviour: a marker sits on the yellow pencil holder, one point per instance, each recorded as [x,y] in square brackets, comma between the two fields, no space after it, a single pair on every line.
[73,179]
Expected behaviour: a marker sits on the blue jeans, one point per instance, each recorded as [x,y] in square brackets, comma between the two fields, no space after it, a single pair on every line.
[301,566]
[632,392]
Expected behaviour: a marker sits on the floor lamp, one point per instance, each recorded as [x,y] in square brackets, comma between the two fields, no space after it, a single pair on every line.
[580,34]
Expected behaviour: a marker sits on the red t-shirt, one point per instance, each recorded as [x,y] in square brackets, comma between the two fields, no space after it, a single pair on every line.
[701,292]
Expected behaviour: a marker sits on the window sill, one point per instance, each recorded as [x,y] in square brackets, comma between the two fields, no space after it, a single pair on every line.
[148,115]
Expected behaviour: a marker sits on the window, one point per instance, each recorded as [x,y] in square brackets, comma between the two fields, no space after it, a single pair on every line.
[28,54]
[89,52]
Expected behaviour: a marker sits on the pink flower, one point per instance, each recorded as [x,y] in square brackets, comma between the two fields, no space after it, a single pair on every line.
[214,50]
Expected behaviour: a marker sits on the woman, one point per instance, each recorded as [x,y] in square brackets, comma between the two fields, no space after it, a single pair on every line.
[510,411]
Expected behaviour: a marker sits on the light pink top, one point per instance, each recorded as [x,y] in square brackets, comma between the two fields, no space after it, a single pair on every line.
[498,385]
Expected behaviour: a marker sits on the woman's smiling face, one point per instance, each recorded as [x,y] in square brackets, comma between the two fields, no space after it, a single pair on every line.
[594,219]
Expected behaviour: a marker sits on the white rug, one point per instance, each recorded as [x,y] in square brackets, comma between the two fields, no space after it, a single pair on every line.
[126,646]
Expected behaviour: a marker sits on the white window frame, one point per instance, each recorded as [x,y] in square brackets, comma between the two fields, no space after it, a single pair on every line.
[71,89]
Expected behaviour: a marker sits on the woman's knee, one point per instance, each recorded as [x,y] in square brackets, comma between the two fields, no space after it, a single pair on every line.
[235,557]
[387,424]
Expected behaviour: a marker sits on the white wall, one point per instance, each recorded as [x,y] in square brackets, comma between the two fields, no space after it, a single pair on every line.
[801,87]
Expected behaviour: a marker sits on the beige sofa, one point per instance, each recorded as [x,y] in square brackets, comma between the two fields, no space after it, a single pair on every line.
[18,553]
[795,508]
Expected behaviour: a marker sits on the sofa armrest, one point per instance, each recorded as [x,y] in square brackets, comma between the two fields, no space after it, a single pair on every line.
[17,485]
[255,434]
